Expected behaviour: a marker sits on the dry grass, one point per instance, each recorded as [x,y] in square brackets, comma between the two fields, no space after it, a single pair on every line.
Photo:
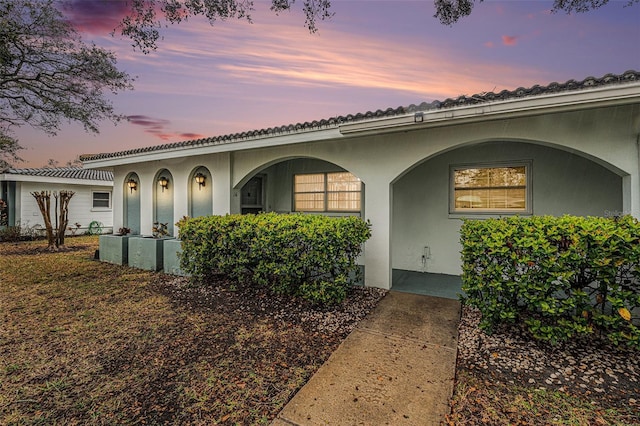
[479,401]
[85,342]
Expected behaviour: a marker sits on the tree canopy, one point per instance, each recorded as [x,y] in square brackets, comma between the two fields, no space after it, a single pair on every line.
[48,74]
[450,11]
[143,24]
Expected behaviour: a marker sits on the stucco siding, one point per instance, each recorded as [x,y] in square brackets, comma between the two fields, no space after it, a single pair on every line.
[562,183]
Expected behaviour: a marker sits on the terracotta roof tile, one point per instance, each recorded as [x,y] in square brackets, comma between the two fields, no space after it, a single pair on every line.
[521,92]
[65,173]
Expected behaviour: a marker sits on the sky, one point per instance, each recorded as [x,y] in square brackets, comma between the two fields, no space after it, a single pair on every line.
[237,76]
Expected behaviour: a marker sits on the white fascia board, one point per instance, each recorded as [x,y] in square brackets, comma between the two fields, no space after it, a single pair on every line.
[53,180]
[511,108]
[258,142]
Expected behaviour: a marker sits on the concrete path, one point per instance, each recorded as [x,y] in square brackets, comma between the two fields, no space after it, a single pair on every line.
[396,368]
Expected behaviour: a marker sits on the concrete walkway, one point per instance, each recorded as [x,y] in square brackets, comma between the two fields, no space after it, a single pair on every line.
[396,368]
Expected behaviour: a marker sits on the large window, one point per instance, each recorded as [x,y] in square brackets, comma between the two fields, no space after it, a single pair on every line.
[327,192]
[101,200]
[491,188]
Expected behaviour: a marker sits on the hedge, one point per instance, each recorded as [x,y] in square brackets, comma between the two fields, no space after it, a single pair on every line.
[562,277]
[310,256]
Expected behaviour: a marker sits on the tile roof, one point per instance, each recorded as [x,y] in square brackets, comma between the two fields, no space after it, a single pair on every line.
[571,85]
[64,173]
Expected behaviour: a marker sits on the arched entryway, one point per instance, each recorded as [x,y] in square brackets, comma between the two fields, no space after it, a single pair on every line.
[131,191]
[200,192]
[488,179]
[304,185]
[163,199]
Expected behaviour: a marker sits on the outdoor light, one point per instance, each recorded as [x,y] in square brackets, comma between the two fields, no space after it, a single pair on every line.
[418,117]
[164,182]
[132,184]
[200,178]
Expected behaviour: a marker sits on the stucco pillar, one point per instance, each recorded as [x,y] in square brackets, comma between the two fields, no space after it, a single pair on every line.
[181,194]
[377,261]
[147,187]
[222,172]
[117,200]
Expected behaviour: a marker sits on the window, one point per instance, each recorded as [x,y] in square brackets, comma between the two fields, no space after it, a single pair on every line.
[491,189]
[327,192]
[101,200]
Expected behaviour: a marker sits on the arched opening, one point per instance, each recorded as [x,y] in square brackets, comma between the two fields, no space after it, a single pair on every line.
[163,200]
[303,185]
[200,192]
[431,198]
[131,191]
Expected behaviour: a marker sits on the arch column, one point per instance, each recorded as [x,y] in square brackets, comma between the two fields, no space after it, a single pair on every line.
[378,210]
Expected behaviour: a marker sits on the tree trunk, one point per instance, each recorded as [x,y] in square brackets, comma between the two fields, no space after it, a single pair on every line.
[55,237]
[43,198]
[63,222]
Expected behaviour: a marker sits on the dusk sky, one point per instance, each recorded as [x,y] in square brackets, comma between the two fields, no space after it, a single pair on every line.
[235,76]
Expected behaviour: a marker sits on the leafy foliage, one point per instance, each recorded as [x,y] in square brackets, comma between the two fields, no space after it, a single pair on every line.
[4,215]
[305,255]
[142,24]
[48,74]
[450,11]
[563,277]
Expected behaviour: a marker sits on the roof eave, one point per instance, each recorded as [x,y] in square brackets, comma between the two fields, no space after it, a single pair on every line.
[56,180]
[511,108]
[261,142]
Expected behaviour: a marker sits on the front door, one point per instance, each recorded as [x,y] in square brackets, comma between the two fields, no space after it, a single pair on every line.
[252,196]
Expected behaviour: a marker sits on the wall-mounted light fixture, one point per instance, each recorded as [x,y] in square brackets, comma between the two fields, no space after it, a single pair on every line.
[418,117]
[164,182]
[132,184]
[200,180]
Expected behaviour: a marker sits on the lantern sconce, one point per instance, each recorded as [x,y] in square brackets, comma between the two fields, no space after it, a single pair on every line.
[132,184]
[164,182]
[200,180]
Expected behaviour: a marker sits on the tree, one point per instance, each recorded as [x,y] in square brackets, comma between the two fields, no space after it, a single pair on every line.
[9,148]
[450,11]
[55,234]
[142,24]
[49,75]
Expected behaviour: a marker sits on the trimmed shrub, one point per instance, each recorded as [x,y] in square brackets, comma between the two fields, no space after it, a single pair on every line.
[310,256]
[563,277]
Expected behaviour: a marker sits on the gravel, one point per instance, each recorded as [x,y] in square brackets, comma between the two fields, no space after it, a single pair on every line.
[606,374]
[339,319]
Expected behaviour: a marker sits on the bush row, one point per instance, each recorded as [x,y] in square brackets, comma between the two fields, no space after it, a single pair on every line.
[304,255]
[563,277]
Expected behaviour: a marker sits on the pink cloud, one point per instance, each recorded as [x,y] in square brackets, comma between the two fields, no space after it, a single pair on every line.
[96,17]
[159,128]
[488,44]
[509,40]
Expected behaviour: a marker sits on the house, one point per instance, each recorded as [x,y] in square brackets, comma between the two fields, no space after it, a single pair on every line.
[90,207]
[414,172]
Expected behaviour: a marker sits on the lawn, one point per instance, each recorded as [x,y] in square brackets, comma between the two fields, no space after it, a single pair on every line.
[85,342]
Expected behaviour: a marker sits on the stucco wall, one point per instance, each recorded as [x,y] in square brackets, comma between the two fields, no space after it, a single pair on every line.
[562,183]
[405,172]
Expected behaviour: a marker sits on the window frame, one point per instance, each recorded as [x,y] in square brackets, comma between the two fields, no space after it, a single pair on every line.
[101,208]
[325,192]
[528,187]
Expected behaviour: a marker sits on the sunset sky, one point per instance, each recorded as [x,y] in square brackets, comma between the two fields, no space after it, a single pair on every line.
[236,76]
